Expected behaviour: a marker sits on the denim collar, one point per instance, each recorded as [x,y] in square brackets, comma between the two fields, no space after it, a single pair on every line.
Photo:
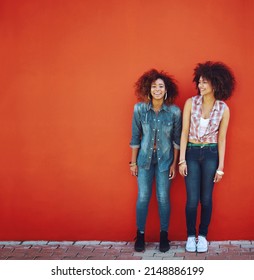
[163,107]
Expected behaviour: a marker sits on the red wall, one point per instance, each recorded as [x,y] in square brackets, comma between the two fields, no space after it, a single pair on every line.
[66,82]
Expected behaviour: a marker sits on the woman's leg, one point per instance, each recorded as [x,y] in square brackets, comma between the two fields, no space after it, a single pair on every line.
[192,181]
[162,194]
[209,166]
[145,181]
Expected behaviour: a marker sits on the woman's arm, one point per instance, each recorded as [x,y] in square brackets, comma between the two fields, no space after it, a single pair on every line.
[172,169]
[177,127]
[135,140]
[184,137]
[222,142]
[133,164]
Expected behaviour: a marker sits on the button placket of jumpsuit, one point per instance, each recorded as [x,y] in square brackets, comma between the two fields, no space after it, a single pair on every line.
[158,139]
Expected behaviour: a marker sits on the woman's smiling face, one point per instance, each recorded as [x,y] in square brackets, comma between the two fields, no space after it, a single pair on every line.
[158,89]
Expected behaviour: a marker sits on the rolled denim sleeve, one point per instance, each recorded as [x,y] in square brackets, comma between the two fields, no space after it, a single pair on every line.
[136,129]
[177,129]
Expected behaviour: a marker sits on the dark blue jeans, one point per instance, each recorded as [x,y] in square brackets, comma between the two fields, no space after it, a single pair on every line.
[145,182]
[202,163]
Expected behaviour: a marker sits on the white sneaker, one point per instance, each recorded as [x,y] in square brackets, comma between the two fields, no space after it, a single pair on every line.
[202,245]
[191,244]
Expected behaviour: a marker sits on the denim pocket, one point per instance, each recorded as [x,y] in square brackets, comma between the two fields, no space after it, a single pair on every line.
[167,127]
[213,149]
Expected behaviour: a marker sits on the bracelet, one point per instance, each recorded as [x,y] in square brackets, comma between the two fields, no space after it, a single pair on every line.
[219,172]
[132,164]
[181,162]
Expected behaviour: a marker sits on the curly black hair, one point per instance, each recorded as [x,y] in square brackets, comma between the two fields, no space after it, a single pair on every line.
[220,76]
[143,86]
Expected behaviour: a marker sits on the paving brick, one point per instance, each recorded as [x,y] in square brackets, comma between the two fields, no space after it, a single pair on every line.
[74,258]
[163,255]
[144,254]
[18,258]
[240,242]
[219,257]
[250,253]
[84,253]
[251,246]
[128,250]
[11,243]
[219,242]
[60,242]
[85,243]
[113,243]
[47,258]
[213,251]
[113,251]
[237,247]
[177,250]
[127,254]
[21,248]
[6,250]
[151,258]
[152,245]
[34,243]
[64,254]
[101,258]
[183,254]
[214,245]
[99,251]
[50,247]
[32,252]
[195,257]
[238,257]
[128,258]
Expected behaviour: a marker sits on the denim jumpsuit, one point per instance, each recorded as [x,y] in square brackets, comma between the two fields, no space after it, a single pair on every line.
[149,128]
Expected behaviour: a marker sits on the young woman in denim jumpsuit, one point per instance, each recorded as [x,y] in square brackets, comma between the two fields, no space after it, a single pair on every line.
[155,143]
[203,143]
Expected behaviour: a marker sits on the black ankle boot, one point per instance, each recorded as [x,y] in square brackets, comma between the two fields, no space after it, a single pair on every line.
[164,242]
[140,242]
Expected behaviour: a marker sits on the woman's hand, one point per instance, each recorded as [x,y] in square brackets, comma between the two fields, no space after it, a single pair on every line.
[172,172]
[183,169]
[218,176]
[134,170]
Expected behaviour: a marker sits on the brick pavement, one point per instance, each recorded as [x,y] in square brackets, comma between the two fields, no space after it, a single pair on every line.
[107,250]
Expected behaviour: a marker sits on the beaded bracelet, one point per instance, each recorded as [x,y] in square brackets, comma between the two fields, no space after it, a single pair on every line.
[132,164]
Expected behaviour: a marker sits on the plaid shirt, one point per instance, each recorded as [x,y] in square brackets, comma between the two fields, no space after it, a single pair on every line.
[211,133]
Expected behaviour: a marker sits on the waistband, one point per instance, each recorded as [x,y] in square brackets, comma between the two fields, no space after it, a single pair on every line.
[201,145]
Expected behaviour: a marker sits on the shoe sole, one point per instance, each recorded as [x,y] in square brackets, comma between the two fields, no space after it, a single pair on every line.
[190,250]
[139,249]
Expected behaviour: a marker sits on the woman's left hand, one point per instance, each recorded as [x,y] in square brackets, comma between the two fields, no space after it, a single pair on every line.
[217,178]
[172,172]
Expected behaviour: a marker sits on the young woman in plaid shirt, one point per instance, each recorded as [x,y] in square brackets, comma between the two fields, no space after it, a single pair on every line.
[202,147]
